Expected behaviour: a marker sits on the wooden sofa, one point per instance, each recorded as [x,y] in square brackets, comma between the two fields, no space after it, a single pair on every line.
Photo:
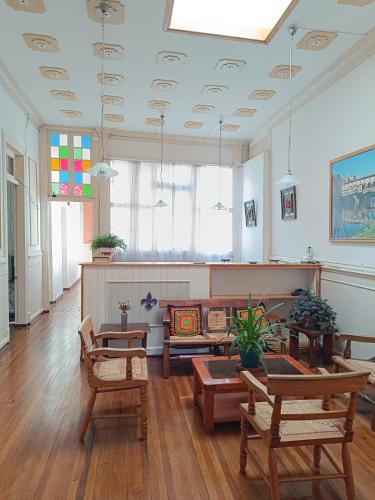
[213,338]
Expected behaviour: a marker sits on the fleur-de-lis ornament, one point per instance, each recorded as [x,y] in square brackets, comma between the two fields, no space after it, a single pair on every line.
[149,302]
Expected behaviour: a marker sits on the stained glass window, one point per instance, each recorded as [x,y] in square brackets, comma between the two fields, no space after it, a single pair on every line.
[70,157]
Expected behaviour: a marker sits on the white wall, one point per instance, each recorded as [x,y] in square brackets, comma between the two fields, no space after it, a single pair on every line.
[336,122]
[26,142]
[255,240]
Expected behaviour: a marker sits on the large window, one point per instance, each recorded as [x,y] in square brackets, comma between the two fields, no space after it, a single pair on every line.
[185,230]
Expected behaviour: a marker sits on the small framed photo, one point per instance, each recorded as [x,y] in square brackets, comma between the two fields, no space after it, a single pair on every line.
[250,213]
[288,203]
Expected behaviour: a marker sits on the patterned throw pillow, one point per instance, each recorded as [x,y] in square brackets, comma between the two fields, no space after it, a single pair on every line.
[185,321]
[259,313]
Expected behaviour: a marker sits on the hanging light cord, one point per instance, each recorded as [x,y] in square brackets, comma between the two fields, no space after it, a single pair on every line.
[103,7]
[161,151]
[220,124]
[292,31]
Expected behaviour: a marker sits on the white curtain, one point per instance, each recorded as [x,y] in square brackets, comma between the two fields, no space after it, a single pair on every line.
[187,229]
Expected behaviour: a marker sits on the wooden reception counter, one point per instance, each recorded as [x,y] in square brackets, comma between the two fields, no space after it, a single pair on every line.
[105,284]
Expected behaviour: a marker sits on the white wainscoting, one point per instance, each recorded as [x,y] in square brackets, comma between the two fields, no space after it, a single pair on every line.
[4,313]
[353,298]
[35,286]
[105,286]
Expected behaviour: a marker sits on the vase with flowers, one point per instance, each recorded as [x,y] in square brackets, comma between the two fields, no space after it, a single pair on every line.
[124,308]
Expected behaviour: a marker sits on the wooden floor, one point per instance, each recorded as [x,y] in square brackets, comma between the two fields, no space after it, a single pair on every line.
[43,392]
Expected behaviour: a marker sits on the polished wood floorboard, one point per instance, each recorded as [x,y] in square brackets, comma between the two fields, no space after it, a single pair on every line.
[43,392]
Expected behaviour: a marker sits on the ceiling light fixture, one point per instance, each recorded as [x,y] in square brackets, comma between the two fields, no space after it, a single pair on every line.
[101,169]
[161,203]
[219,205]
[289,179]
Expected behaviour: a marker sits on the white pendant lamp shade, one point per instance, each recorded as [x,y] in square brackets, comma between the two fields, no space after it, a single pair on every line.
[102,170]
[289,179]
[160,204]
[219,206]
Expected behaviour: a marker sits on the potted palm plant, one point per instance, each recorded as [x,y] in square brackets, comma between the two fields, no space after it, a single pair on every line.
[107,243]
[250,334]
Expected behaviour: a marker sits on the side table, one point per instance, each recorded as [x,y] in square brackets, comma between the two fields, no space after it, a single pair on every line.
[313,337]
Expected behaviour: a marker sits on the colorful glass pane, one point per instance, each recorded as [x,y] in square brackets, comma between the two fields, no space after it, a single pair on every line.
[70,158]
[86,190]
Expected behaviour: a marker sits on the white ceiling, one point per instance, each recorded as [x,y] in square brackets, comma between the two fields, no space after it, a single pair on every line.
[142,37]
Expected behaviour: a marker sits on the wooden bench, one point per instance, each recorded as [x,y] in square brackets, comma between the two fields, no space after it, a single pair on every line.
[211,337]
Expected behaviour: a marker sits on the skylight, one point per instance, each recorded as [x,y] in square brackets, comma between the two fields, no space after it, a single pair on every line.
[254,20]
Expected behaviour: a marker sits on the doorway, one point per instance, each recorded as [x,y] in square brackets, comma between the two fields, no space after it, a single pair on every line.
[12,246]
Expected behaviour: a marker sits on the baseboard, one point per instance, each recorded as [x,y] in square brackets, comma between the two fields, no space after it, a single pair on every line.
[55,299]
[35,315]
[72,283]
[4,345]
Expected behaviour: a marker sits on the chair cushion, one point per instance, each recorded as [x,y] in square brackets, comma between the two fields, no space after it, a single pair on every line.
[262,419]
[360,365]
[185,321]
[259,316]
[114,370]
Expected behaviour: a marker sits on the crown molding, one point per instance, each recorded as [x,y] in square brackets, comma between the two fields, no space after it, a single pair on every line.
[185,140]
[350,60]
[11,86]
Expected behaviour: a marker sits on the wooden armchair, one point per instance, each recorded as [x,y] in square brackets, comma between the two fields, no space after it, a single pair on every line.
[92,337]
[126,370]
[349,364]
[300,422]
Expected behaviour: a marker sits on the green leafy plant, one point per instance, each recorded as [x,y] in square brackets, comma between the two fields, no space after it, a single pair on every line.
[108,240]
[314,312]
[249,334]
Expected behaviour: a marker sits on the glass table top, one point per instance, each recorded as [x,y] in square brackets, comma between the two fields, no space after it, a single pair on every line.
[226,368]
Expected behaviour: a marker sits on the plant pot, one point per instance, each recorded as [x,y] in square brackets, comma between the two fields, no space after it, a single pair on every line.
[308,322]
[249,359]
[124,321]
[106,250]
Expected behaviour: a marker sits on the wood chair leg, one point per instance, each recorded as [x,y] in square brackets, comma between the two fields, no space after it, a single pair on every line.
[144,412]
[317,458]
[273,477]
[347,463]
[243,444]
[166,361]
[373,420]
[86,418]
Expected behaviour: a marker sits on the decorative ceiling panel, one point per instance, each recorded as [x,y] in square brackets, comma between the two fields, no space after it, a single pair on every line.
[115,13]
[112,52]
[316,40]
[42,43]
[283,71]
[262,94]
[65,95]
[54,73]
[34,6]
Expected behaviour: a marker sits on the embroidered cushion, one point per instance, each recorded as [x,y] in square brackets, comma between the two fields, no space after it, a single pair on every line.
[185,321]
[259,316]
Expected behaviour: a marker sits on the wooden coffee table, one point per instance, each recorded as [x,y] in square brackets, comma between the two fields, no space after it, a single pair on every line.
[218,389]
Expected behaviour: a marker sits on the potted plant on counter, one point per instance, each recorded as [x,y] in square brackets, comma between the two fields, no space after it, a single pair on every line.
[107,243]
[313,312]
[250,334]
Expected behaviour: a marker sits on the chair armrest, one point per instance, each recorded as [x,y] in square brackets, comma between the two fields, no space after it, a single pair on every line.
[323,371]
[355,338]
[340,361]
[137,334]
[111,352]
[254,385]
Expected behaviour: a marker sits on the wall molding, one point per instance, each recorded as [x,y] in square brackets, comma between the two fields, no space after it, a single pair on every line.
[347,283]
[335,267]
[14,90]
[351,59]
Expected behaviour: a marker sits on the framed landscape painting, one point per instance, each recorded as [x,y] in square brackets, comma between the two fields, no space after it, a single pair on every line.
[352,197]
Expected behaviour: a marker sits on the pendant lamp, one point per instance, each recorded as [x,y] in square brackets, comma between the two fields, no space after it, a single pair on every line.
[219,205]
[289,179]
[161,203]
[101,169]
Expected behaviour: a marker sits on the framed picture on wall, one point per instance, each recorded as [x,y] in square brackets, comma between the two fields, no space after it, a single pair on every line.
[352,197]
[288,203]
[250,213]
